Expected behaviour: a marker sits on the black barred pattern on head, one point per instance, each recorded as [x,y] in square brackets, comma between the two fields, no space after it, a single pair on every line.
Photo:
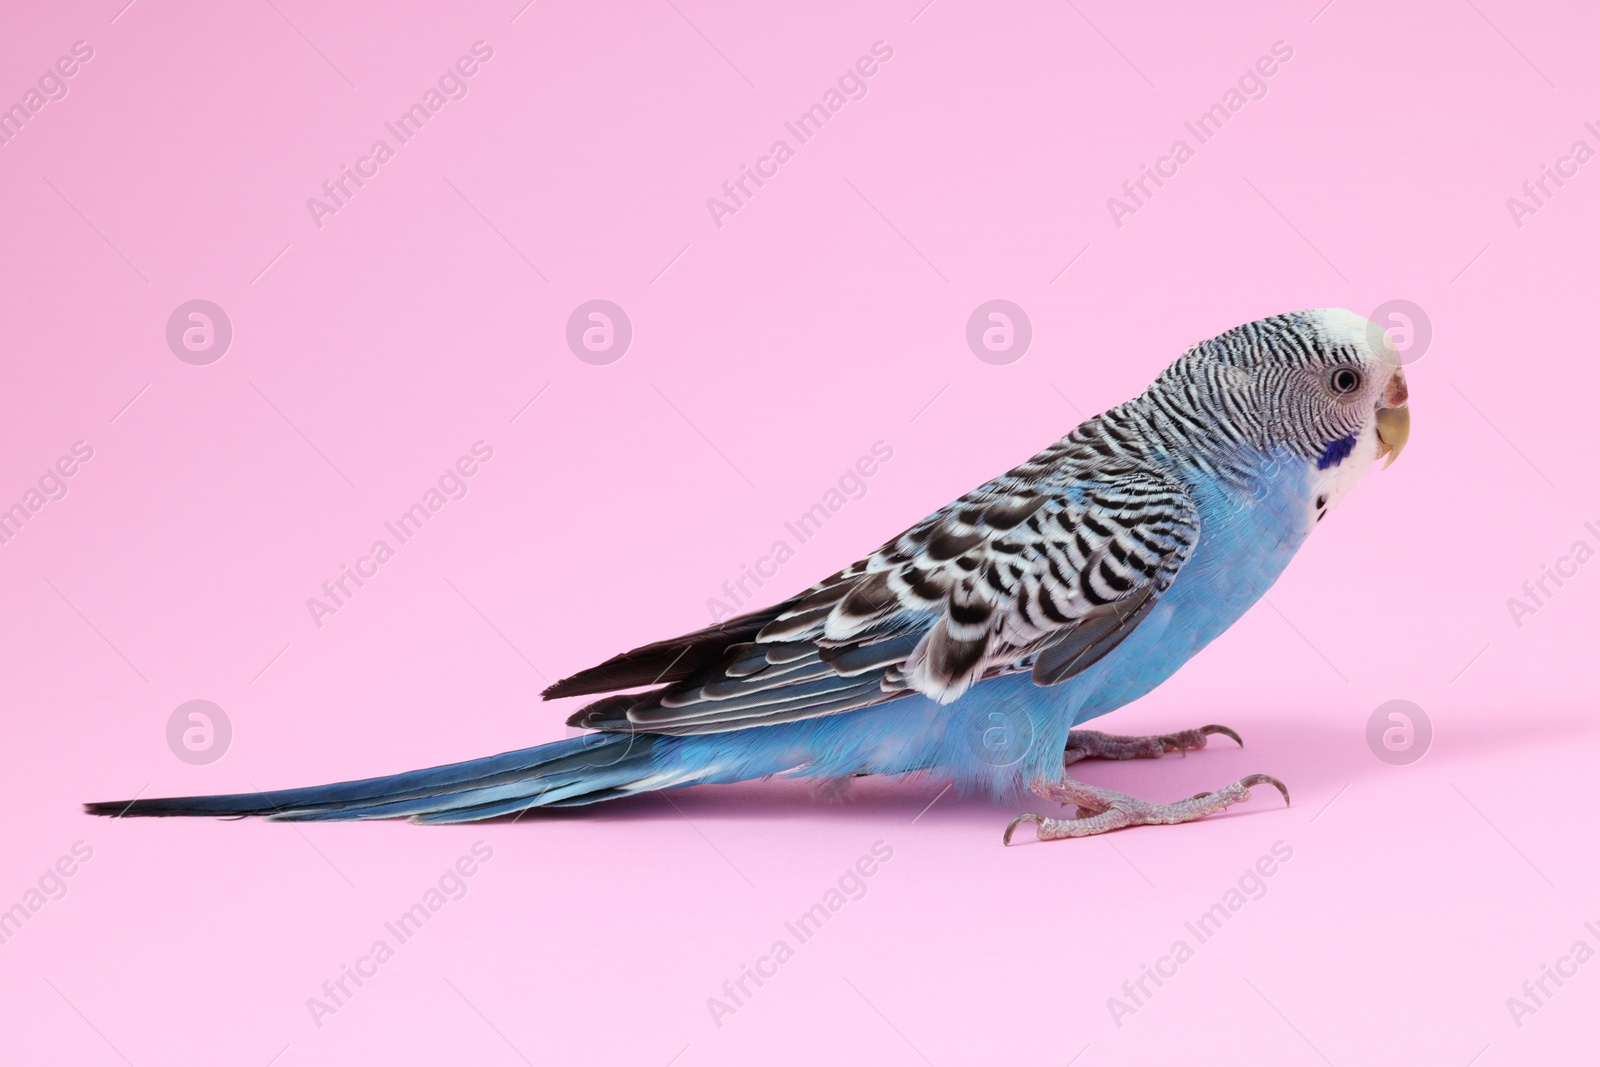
[1252,389]
[1044,569]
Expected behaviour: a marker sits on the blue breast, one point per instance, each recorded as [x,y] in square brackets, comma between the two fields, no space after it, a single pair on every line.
[1245,544]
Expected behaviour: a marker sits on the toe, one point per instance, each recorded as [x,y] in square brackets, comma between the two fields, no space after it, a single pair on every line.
[1018,821]
[1266,779]
[1224,731]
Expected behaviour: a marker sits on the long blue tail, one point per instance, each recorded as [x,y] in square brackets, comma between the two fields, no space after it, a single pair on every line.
[909,736]
[576,771]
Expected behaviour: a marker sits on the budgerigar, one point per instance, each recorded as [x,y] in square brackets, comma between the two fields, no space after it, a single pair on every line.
[969,646]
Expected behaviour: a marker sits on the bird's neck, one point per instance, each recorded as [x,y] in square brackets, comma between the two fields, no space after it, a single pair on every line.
[1199,446]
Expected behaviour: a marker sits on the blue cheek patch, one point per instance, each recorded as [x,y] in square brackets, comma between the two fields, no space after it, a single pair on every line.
[1336,452]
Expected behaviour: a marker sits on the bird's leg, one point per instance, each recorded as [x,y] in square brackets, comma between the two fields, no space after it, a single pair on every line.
[1100,810]
[1092,744]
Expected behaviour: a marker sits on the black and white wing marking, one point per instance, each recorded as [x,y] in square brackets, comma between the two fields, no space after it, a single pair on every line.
[1033,571]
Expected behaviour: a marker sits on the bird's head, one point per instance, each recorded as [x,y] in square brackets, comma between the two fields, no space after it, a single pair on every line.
[1324,385]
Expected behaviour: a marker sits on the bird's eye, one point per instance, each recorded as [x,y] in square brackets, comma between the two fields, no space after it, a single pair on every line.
[1344,381]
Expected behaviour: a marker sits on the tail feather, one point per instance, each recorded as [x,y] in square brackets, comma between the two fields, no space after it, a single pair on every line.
[579,770]
[903,738]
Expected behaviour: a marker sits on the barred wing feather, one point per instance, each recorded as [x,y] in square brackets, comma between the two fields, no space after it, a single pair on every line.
[1039,570]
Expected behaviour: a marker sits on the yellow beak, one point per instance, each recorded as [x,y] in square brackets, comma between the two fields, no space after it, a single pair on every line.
[1394,418]
[1394,430]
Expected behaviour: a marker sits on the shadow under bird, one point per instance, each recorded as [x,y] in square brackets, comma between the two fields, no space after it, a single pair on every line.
[969,646]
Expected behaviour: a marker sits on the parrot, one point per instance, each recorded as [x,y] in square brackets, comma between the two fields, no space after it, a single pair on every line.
[969,648]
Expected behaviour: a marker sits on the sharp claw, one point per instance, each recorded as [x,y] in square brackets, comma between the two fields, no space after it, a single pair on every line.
[1127,811]
[1224,731]
[1267,779]
[1018,821]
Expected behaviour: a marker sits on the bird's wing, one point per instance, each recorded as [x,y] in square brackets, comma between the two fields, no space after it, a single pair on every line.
[1037,570]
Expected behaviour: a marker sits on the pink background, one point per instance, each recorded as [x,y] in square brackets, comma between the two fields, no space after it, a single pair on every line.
[822,317]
